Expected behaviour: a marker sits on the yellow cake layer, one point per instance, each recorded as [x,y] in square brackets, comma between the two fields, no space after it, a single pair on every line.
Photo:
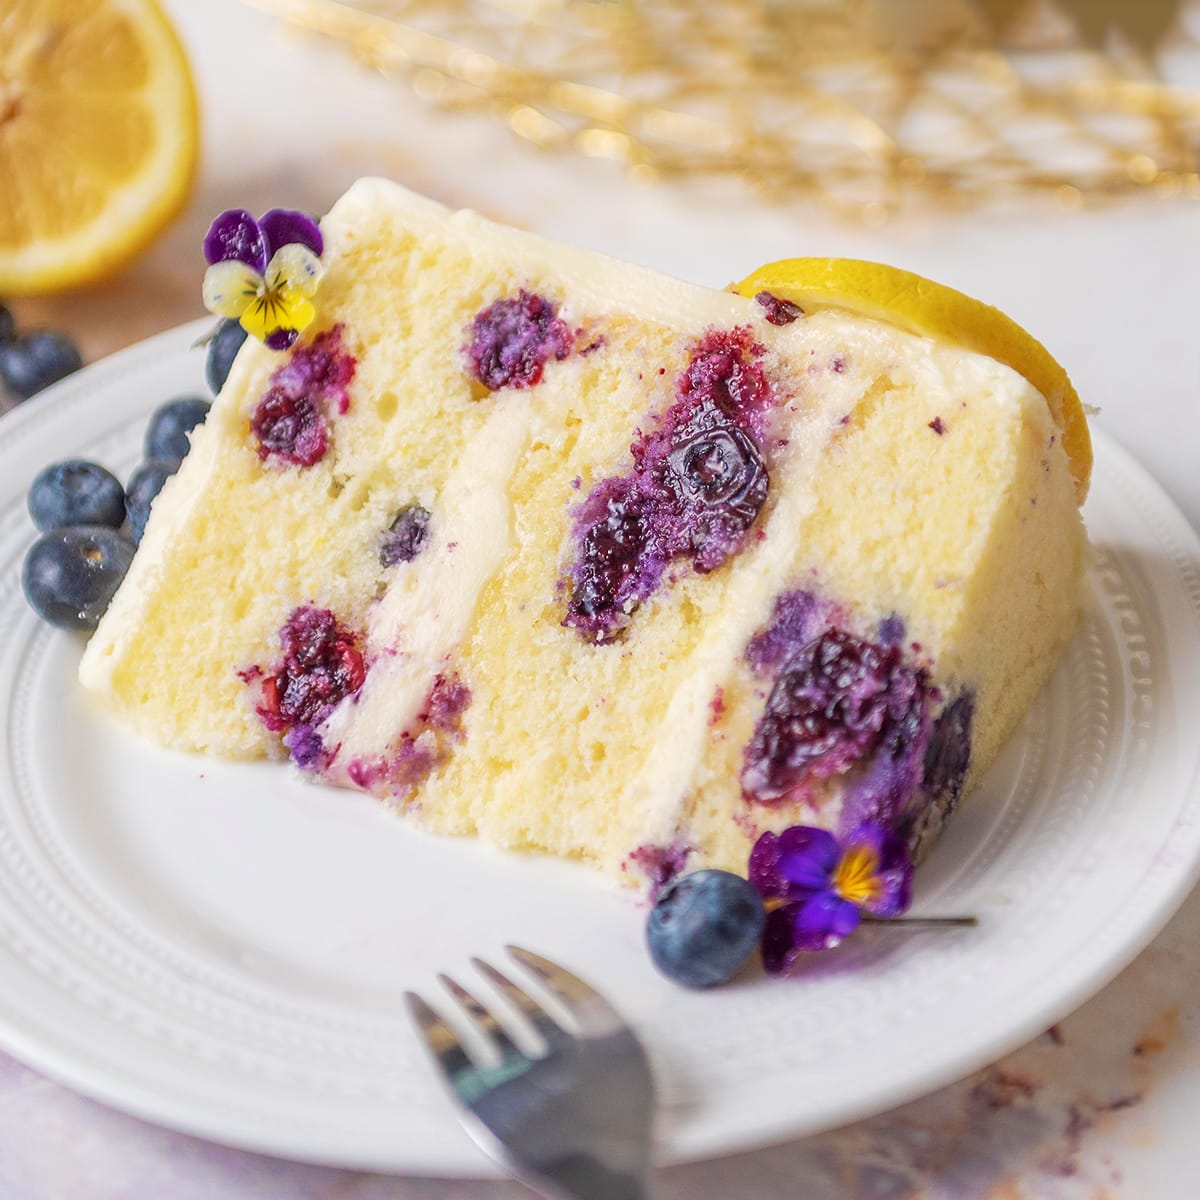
[967,532]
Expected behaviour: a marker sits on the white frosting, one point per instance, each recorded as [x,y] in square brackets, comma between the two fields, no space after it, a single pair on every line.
[430,602]
[661,787]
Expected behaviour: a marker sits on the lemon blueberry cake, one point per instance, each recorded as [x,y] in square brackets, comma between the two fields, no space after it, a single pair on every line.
[548,549]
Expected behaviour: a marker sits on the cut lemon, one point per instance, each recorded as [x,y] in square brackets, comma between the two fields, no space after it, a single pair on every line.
[929,309]
[98,137]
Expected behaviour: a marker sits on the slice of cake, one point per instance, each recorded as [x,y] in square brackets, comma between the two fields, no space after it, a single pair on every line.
[548,549]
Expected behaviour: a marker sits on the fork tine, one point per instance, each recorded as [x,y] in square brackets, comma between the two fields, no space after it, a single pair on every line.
[441,1040]
[574,1120]
[482,1018]
[567,987]
[534,1013]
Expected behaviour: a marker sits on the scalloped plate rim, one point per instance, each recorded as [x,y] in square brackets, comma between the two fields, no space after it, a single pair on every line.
[1159,893]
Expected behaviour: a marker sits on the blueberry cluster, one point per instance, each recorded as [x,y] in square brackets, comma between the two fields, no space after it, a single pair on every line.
[33,360]
[837,700]
[291,422]
[698,482]
[90,525]
[321,665]
[163,450]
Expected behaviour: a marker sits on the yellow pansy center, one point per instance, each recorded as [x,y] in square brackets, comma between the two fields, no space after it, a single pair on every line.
[280,298]
[856,877]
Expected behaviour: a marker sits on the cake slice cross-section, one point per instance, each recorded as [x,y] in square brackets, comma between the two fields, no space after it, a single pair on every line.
[554,551]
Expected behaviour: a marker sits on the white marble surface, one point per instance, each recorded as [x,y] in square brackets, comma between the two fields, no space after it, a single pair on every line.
[1100,1108]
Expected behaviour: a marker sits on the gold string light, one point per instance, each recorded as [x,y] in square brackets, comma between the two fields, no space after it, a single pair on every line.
[866,106]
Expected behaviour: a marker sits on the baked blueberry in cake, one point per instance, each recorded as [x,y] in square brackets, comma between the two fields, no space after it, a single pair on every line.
[554,551]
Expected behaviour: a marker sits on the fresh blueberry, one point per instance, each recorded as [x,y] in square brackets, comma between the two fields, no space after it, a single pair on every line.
[33,361]
[144,484]
[704,927]
[76,492]
[167,433]
[8,327]
[222,350]
[71,574]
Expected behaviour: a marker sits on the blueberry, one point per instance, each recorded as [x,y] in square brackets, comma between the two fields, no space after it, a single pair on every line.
[405,538]
[76,492]
[514,338]
[71,574]
[322,665]
[292,428]
[222,350]
[837,700]
[34,361]
[167,433]
[948,754]
[8,327]
[617,567]
[144,484]
[704,927]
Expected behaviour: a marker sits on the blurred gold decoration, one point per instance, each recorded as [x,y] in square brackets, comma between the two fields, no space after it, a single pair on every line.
[1143,23]
[864,105]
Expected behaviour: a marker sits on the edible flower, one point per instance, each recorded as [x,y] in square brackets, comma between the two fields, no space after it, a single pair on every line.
[821,887]
[264,273]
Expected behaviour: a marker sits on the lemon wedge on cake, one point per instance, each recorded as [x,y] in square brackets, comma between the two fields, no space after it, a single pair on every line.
[928,309]
[98,138]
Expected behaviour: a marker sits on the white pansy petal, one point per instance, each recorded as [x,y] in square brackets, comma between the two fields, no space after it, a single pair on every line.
[229,287]
[295,267]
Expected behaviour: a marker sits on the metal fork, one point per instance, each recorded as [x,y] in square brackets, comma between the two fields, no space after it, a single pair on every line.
[573,1119]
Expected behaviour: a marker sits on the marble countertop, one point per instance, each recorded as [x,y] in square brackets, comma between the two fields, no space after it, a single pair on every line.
[1099,1107]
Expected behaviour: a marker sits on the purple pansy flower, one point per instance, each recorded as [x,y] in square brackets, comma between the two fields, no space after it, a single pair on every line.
[264,273]
[826,886]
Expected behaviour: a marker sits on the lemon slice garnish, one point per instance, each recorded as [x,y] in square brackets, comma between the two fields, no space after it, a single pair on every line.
[918,305]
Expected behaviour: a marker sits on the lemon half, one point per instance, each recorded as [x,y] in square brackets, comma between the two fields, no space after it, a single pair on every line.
[920,306]
[98,137]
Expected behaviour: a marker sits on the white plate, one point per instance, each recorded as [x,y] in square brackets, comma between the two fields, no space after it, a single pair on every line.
[223,949]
